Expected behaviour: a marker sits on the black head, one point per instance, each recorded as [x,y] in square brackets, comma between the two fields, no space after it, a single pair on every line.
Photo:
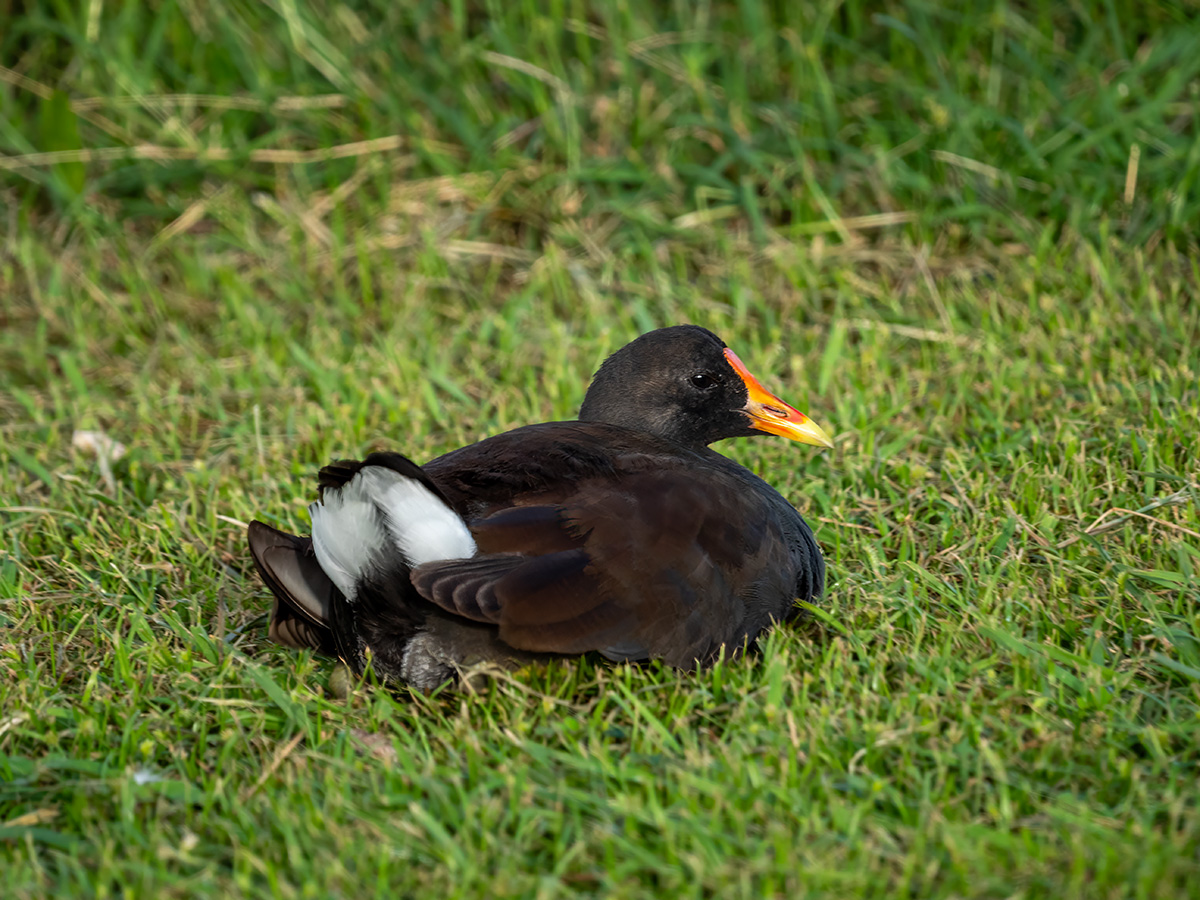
[683,384]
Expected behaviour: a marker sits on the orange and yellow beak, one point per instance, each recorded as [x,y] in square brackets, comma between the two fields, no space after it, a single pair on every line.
[770,414]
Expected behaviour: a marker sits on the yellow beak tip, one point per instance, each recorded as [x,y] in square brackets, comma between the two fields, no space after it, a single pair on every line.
[818,437]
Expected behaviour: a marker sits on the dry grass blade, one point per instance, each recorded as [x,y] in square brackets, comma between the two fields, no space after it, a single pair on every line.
[1025,526]
[190,217]
[991,172]
[844,225]
[280,755]
[561,88]
[1179,498]
[161,153]
[213,101]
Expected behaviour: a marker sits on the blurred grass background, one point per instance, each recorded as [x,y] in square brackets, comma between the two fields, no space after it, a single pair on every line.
[243,238]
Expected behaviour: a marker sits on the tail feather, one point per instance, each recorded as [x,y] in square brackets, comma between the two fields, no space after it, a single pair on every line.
[304,594]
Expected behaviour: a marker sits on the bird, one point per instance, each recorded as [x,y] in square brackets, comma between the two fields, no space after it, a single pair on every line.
[621,533]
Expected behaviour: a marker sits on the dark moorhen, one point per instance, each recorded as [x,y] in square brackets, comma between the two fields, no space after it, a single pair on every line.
[620,533]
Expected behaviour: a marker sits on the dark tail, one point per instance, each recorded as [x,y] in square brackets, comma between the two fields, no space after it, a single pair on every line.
[305,598]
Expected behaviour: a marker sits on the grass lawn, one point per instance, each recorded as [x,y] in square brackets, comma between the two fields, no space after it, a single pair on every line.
[243,239]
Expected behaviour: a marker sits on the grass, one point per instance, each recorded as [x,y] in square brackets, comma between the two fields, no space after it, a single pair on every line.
[963,241]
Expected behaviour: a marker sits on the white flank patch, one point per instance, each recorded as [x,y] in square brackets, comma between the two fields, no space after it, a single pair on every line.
[422,527]
[349,535]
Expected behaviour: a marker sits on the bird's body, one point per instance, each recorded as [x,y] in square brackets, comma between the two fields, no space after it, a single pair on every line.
[558,538]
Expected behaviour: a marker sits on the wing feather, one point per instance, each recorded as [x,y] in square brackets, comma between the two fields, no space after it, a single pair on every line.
[655,563]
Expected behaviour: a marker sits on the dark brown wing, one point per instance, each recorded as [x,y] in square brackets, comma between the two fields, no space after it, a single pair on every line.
[669,562]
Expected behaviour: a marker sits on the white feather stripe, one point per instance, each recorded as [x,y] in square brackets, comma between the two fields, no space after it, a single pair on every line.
[348,536]
[422,527]
[377,513]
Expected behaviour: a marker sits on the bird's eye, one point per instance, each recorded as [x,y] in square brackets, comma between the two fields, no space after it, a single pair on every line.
[704,381]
